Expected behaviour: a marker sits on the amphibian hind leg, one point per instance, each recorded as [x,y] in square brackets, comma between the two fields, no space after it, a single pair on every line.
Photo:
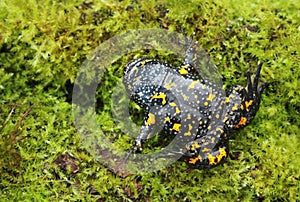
[207,152]
[243,103]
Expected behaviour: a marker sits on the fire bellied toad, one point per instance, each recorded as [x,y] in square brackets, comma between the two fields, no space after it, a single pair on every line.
[189,107]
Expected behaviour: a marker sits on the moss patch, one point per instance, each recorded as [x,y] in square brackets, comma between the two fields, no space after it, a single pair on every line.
[42,47]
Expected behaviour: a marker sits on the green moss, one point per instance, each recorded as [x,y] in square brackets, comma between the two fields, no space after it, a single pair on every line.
[43,45]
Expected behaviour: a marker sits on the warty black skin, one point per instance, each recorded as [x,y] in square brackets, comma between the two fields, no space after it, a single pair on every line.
[189,107]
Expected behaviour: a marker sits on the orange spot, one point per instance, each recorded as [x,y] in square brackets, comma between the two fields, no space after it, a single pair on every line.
[243,122]
[194,160]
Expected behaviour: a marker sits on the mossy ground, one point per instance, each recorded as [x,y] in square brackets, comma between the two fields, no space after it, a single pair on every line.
[44,43]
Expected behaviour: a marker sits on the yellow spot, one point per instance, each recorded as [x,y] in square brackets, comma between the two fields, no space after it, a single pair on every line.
[187,147]
[195,57]
[209,128]
[168,86]
[176,126]
[144,62]
[200,122]
[205,150]
[159,96]
[248,103]
[205,104]
[235,107]
[225,119]
[183,70]
[242,106]
[222,154]
[192,85]
[177,110]
[219,129]
[189,116]
[172,104]
[203,86]
[217,116]
[190,127]
[195,145]
[194,160]
[213,140]
[243,122]
[185,66]
[167,119]
[151,119]
[137,78]
[188,134]
[211,159]
[215,160]
[210,97]
[228,98]
[185,97]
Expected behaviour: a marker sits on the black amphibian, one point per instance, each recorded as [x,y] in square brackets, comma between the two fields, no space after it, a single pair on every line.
[189,107]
